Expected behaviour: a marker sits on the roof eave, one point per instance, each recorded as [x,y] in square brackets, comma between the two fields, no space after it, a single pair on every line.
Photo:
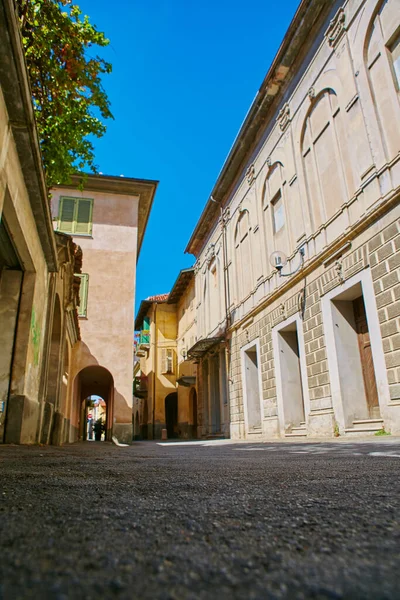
[18,98]
[175,295]
[144,189]
[264,104]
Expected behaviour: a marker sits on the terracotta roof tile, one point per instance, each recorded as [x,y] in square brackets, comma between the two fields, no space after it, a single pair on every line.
[158,298]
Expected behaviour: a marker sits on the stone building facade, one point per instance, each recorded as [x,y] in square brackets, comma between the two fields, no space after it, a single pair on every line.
[166,381]
[156,401]
[313,177]
[183,298]
[38,290]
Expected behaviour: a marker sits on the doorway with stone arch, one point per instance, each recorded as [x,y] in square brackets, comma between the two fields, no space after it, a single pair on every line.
[54,357]
[171,415]
[95,381]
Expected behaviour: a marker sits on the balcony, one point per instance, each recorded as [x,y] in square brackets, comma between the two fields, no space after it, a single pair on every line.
[140,386]
[142,342]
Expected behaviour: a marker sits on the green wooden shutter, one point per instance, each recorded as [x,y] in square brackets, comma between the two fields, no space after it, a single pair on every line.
[83,294]
[84,216]
[66,219]
[146,323]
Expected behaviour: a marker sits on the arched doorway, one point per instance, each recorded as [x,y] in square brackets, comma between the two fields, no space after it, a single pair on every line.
[93,383]
[54,358]
[145,433]
[95,418]
[171,415]
[193,411]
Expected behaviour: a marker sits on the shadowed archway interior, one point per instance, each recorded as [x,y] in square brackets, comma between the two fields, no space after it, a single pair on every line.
[96,381]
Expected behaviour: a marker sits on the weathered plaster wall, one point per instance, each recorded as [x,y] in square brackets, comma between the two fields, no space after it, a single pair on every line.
[110,260]
[16,211]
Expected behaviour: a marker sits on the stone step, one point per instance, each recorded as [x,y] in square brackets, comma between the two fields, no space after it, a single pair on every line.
[368,422]
[298,428]
[301,433]
[363,430]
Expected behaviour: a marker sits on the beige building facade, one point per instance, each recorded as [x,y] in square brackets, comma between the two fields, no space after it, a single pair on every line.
[311,344]
[183,298]
[165,380]
[108,219]
[38,290]
[156,396]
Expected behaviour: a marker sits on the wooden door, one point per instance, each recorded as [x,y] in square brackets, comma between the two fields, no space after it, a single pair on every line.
[367,363]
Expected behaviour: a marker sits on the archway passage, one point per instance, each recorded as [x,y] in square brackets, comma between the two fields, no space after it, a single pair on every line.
[95,418]
[95,381]
[171,415]
[193,411]
[54,359]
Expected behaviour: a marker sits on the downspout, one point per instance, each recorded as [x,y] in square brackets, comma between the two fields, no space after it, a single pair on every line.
[227,316]
[155,368]
[226,274]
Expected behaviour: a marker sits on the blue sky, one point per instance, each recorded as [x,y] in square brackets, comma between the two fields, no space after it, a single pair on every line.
[184,76]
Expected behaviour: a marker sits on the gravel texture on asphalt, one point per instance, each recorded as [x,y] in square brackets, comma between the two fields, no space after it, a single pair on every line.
[93,520]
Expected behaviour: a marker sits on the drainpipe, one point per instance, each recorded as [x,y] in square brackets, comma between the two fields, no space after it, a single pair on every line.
[227,304]
[155,368]
[226,274]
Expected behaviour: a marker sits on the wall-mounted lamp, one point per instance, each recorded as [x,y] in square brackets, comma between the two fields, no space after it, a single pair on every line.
[184,353]
[279,259]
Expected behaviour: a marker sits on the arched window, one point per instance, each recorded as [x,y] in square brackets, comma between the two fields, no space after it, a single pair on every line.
[273,198]
[322,158]
[243,255]
[214,293]
[383,68]
[205,306]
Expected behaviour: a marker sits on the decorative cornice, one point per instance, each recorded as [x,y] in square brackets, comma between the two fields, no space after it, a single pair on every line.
[224,218]
[336,28]
[284,117]
[311,93]
[251,174]
[210,254]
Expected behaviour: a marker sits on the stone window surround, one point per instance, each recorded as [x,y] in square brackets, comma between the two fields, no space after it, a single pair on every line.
[303,368]
[256,343]
[365,279]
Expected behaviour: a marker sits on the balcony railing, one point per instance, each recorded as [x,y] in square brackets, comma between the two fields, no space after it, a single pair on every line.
[142,342]
[144,337]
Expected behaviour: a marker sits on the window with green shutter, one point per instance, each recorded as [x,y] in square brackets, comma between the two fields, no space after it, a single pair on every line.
[75,215]
[167,360]
[83,294]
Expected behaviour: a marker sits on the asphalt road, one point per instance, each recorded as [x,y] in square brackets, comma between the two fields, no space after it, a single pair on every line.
[92,521]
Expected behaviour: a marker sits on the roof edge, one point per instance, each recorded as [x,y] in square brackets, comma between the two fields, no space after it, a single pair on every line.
[260,110]
[18,99]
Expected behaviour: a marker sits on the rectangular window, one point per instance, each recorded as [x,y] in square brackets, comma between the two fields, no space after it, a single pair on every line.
[278,212]
[395,50]
[83,294]
[167,360]
[75,216]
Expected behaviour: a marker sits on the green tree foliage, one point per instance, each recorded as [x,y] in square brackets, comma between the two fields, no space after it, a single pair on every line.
[68,97]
